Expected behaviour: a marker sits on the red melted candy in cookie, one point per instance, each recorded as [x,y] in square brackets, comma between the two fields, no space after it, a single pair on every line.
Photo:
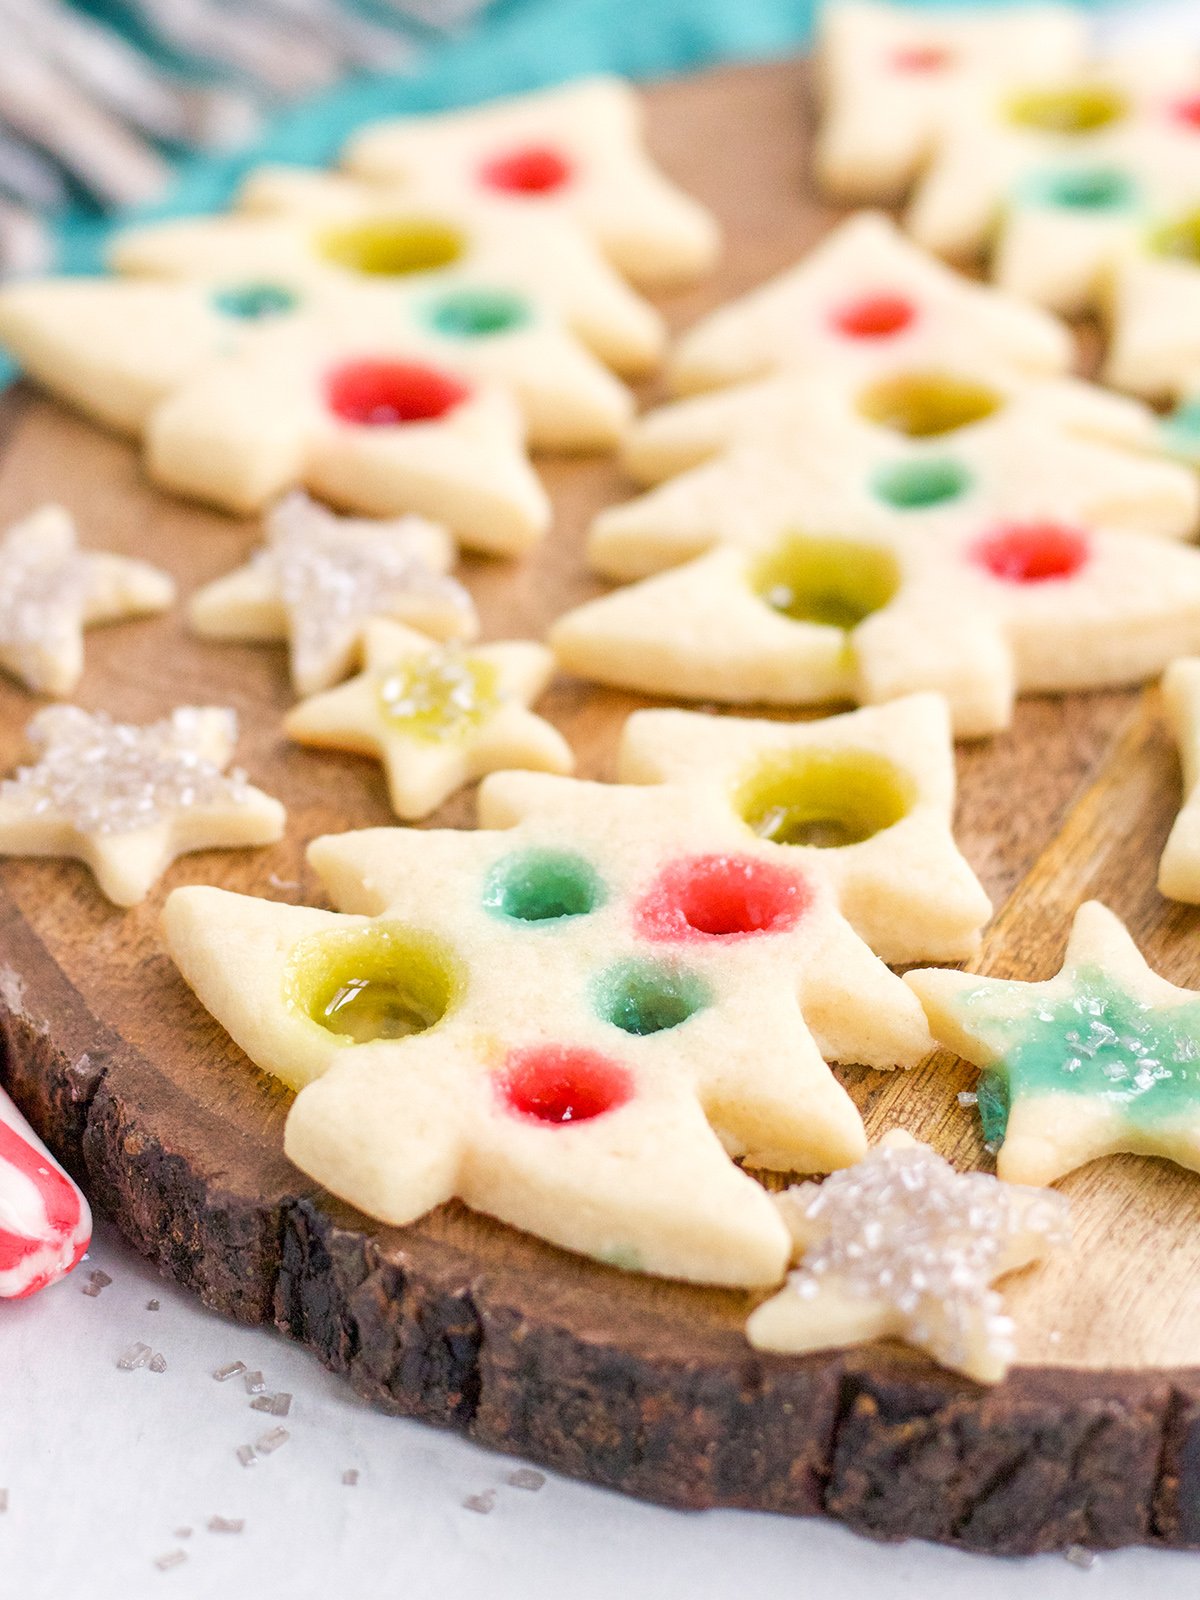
[1187,111]
[1033,552]
[921,58]
[721,897]
[379,394]
[536,169]
[560,1083]
[874,316]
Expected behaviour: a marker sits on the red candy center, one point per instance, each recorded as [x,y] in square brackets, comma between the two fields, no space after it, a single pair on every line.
[379,394]
[1033,552]
[559,1083]
[721,897]
[874,316]
[921,58]
[1187,111]
[537,169]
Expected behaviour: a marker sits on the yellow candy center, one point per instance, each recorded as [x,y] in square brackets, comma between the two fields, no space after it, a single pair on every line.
[392,248]
[384,981]
[1072,109]
[828,581]
[440,696]
[823,798]
[922,405]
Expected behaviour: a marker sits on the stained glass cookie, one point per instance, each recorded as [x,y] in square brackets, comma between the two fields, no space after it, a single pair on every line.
[1179,868]
[1100,1059]
[901,1245]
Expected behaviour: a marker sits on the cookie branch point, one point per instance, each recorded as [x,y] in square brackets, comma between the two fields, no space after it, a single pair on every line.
[1179,869]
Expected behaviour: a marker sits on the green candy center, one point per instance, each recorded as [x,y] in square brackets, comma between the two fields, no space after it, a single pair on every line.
[477,313]
[917,485]
[644,997]
[542,886]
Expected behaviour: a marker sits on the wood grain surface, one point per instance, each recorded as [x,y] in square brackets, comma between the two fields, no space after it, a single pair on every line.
[648,1386]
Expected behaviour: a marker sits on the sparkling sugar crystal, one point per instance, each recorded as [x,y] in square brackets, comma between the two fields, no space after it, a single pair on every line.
[350,1477]
[157,1362]
[246,1455]
[482,1503]
[271,1441]
[526,1478]
[276,1405]
[106,777]
[255,1383]
[334,573]
[229,1370]
[135,1356]
[904,1228]
[226,1524]
[173,1558]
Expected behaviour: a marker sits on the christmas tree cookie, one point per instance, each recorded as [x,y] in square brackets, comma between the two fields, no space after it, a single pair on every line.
[575,151]
[128,800]
[902,1246]
[571,1019]
[321,578]
[50,591]
[436,715]
[895,79]
[1100,1059]
[980,613]
[1179,869]
[866,295]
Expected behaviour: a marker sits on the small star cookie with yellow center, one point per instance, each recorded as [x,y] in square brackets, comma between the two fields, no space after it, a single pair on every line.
[128,800]
[1102,1058]
[895,79]
[573,1018]
[321,578]
[863,297]
[50,591]
[575,151]
[1179,869]
[903,1246]
[436,715]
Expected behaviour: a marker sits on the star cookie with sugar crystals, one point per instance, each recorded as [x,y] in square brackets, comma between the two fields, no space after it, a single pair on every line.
[50,591]
[119,348]
[1062,450]
[979,612]
[863,296]
[576,150]
[322,232]
[436,715]
[1179,869]
[321,578]
[1102,1058]
[572,1019]
[903,1246]
[127,800]
[866,800]
[895,78]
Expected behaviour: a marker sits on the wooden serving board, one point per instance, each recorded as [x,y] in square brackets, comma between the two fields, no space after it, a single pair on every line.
[642,1385]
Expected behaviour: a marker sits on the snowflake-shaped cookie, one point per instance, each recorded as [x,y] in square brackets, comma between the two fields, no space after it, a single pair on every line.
[979,612]
[128,800]
[50,591]
[323,231]
[321,578]
[803,447]
[1179,869]
[45,1223]
[1103,1058]
[436,715]
[901,1245]
[576,150]
[866,296]
[571,1019]
[895,80]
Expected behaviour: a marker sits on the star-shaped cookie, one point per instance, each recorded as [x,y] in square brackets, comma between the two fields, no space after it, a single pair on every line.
[436,715]
[321,578]
[571,1018]
[50,591]
[895,79]
[1102,1058]
[1179,869]
[576,150]
[128,800]
[902,1246]
[863,296]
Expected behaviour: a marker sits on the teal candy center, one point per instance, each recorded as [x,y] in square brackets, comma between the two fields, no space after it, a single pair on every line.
[1180,432]
[477,313]
[254,301]
[1083,188]
[916,485]
[542,886]
[1099,1042]
[643,997]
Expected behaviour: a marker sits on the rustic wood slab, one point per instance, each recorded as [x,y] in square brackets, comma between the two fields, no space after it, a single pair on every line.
[646,1386]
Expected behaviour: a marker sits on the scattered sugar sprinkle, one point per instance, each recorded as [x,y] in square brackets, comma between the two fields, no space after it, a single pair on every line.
[3,1500]
[482,1503]
[271,1441]
[134,1357]
[173,1558]
[183,1533]
[229,1370]
[226,1524]
[1080,1557]
[245,1454]
[526,1478]
[968,1097]
[106,777]
[152,1305]
[96,1281]
[157,1362]
[277,1405]
[255,1383]
[350,1477]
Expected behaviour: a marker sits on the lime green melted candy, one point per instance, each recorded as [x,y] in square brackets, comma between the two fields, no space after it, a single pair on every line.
[439,697]
[1099,1042]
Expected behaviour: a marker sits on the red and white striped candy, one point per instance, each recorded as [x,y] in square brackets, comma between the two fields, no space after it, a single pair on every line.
[45,1224]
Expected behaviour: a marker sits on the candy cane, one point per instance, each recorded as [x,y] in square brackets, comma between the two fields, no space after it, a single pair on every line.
[45,1224]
